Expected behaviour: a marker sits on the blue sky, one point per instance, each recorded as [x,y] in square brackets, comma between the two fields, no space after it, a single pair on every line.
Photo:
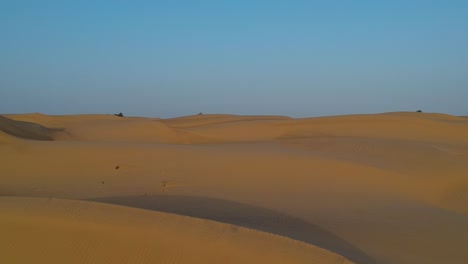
[172,58]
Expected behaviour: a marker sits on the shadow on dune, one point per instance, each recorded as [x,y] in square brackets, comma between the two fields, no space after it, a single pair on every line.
[27,130]
[246,216]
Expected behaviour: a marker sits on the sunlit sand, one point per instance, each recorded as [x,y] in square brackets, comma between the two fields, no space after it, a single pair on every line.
[383,188]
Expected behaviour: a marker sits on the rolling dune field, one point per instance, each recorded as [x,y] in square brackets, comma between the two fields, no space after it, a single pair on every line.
[385,188]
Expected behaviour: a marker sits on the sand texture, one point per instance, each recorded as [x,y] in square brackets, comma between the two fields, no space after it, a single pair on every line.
[384,188]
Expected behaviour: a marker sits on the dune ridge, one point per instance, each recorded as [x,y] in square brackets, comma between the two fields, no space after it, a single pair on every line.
[6,138]
[76,232]
[206,129]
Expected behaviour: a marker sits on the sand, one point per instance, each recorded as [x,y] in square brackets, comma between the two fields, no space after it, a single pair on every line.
[383,188]
[66,231]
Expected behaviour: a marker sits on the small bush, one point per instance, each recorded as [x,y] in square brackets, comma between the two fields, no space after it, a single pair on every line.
[419,111]
[119,114]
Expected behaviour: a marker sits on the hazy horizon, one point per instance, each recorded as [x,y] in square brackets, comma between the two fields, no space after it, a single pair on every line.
[174,58]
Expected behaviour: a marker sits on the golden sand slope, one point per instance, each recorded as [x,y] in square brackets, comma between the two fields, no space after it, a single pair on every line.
[386,188]
[64,231]
[6,138]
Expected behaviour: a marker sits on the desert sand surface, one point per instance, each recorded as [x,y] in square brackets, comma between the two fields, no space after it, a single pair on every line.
[380,188]
[89,232]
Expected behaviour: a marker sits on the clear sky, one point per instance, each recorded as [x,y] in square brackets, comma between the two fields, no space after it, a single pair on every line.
[171,58]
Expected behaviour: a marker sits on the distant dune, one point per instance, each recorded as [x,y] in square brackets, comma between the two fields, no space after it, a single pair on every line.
[382,188]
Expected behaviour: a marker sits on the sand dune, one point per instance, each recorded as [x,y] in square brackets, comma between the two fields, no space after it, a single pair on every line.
[129,130]
[385,188]
[6,138]
[64,231]
[231,129]
[203,120]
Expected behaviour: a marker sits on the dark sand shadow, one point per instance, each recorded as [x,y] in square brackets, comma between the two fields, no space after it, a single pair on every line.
[27,130]
[244,215]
